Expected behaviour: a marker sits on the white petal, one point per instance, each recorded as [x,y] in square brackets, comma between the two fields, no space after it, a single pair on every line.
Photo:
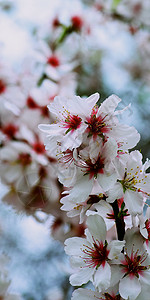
[84,294]
[11,173]
[83,107]
[145,277]
[134,202]
[72,139]
[106,181]
[133,237]
[115,248]
[116,274]
[129,287]
[110,149]
[109,105]
[74,246]
[81,189]
[97,227]
[145,293]
[81,277]
[102,277]
[50,143]
[51,129]
[115,193]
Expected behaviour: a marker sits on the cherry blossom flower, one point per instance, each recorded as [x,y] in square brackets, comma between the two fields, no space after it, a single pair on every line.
[55,64]
[134,265]
[17,160]
[103,122]
[91,257]
[85,294]
[82,209]
[94,165]
[70,126]
[133,184]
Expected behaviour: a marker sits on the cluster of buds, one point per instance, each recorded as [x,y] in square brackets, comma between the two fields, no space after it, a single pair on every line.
[106,186]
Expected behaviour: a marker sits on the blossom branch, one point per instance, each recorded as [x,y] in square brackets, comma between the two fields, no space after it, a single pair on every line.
[120,224]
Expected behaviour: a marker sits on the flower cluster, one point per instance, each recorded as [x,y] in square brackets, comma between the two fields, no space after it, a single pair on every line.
[107,185]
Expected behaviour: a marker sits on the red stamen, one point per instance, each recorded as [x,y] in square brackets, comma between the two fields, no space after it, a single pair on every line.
[92,168]
[96,125]
[111,216]
[67,157]
[72,122]
[96,255]
[132,265]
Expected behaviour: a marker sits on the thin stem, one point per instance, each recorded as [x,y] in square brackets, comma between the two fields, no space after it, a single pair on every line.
[120,224]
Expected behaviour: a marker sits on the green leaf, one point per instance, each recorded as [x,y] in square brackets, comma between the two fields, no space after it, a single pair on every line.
[115,3]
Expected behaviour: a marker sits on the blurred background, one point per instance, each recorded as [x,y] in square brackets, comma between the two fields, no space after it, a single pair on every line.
[50,48]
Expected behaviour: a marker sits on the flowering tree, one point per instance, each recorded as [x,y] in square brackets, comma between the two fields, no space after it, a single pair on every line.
[71,156]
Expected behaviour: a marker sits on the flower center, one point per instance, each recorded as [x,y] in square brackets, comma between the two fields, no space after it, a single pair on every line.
[77,23]
[137,8]
[94,168]
[10,130]
[45,111]
[132,266]
[96,125]
[111,297]
[2,86]
[67,157]
[25,159]
[55,22]
[96,255]
[128,182]
[39,148]
[53,61]
[72,122]
[147,225]
[31,103]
